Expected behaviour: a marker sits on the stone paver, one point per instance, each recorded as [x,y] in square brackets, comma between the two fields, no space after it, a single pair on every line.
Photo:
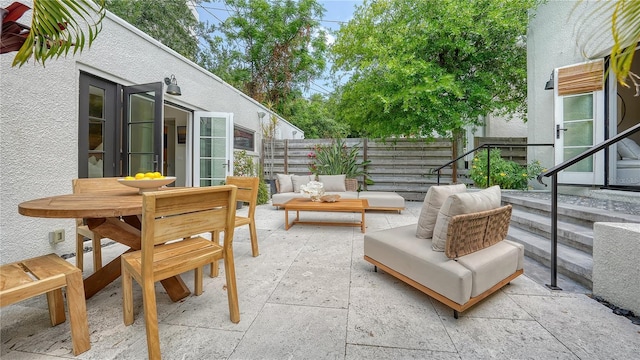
[310,295]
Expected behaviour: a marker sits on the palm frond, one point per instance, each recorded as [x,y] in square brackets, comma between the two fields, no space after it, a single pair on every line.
[57,26]
[618,21]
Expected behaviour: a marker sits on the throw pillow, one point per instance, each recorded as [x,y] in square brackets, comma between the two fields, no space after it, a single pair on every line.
[298,180]
[333,182]
[463,203]
[628,149]
[436,195]
[285,183]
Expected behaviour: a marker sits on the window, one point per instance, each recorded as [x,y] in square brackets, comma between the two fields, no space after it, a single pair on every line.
[243,139]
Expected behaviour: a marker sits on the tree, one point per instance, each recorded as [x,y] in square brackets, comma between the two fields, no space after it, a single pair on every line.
[619,20]
[425,67]
[169,21]
[56,28]
[315,117]
[269,48]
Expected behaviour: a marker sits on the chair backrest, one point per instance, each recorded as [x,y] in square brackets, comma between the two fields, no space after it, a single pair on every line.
[88,185]
[182,213]
[247,190]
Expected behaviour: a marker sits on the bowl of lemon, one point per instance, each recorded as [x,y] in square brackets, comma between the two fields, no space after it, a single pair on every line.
[149,181]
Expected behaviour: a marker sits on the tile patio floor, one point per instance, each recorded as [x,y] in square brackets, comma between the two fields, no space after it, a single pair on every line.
[310,295]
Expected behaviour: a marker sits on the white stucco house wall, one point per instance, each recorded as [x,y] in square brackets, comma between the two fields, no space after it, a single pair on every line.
[48,135]
[575,119]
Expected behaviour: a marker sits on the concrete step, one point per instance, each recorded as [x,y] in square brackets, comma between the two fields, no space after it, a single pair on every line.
[570,234]
[573,263]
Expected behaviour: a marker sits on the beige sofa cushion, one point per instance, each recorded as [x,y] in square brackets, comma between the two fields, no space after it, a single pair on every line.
[400,250]
[285,183]
[462,203]
[299,180]
[491,265]
[436,195]
[382,199]
[333,182]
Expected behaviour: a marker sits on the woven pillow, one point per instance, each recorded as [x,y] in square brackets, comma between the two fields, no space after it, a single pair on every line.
[436,195]
[285,183]
[628,149]
[333,182]
[298,180]
[463,203]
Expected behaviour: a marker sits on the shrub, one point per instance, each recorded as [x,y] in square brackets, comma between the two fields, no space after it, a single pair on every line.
[506,173]
[337,159]
[243,164]
[263,193]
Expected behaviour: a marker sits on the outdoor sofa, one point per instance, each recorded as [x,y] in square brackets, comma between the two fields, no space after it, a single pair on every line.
[288,187]
[457,252]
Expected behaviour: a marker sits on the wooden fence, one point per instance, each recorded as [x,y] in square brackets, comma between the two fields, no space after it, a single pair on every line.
[403,166]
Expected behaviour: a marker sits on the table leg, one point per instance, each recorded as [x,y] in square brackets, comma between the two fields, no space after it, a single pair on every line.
[128,234]
[286,219]
[363,226]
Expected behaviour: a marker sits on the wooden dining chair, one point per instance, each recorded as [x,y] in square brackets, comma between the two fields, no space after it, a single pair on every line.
[181,215]
[247,192]
[49,274]
[82,230]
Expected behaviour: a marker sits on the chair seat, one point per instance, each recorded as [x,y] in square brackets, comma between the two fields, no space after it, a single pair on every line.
[48,274]
[188,253]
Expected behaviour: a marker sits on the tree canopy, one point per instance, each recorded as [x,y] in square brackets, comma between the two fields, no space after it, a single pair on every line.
[169,21]
[425,67]
[269,48]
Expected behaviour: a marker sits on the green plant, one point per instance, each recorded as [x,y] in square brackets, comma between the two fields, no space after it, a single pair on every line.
[337,159]
[263,193]
[505,173]
[243,164]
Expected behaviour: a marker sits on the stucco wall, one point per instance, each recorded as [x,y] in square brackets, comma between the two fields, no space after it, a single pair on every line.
[39,122]
[616,275]
[551,43]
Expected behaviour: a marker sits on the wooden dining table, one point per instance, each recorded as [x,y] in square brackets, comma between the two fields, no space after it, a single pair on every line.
[113,214]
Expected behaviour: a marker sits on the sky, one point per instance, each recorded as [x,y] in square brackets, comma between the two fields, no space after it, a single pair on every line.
[336,12]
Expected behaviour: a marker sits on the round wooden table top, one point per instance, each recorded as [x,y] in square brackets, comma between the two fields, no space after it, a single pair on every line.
[85,205]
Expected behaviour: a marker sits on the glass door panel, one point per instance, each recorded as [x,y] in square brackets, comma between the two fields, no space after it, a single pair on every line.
[213,134]
[143,128]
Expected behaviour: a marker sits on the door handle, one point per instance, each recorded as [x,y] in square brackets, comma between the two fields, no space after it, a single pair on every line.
[558,129]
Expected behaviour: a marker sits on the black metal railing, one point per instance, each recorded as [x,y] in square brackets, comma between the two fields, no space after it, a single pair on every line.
[488,147]
[553,172]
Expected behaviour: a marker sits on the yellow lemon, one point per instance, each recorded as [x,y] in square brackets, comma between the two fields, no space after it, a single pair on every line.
[157,175]
[139,176]
[148,175]
[129,178]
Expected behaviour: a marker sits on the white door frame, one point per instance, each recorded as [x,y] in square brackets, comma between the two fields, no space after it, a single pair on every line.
[217,161]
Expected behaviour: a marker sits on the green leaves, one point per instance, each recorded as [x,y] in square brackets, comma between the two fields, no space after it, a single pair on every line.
[59,26]
[423,68]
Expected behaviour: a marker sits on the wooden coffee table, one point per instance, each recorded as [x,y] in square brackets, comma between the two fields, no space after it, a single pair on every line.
[342,205]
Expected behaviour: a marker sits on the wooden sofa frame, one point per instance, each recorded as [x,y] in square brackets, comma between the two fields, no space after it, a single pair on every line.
[466,234]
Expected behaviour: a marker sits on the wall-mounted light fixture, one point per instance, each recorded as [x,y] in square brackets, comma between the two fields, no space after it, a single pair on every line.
[261,114]
[549,84]
[172,85]
[294,134]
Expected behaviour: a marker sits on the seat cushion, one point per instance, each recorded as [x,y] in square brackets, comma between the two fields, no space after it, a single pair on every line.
[462,203]
[402,251]
[333,182]
[383,199]
[628,149]
[491,265]
[436,195]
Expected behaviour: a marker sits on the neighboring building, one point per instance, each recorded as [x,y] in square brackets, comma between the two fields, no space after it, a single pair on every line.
[583,107]
[105,113]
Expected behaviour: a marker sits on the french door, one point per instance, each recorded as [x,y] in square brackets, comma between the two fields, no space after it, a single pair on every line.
[212,148]
[143,130]
[579,117]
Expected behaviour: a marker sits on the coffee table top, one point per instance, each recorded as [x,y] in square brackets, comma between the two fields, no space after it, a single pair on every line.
[339,205]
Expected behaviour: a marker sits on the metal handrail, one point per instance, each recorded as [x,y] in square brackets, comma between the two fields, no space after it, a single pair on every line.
[553,172]
[488,146]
